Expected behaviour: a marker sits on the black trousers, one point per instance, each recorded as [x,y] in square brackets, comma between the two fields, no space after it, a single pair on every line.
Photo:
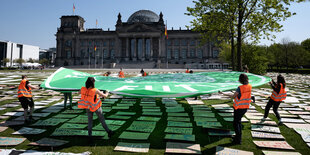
[275,105]
[238,114]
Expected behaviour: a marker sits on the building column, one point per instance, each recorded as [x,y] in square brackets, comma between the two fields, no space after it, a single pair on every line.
[143,49]
[188,49]
[159,48]
[127,49]
[151,46]
[135,50]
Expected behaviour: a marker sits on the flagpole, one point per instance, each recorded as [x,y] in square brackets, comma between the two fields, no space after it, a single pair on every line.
[167,44]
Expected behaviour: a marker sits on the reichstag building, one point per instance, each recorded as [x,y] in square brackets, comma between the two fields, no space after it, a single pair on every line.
[139,40]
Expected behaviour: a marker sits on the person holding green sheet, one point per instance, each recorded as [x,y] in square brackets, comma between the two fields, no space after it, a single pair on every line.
[91,101]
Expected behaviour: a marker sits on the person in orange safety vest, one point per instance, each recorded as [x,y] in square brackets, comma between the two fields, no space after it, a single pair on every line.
[24,95]
[242,100]
[121,73]
[187,70]
[91,101]
[277,96]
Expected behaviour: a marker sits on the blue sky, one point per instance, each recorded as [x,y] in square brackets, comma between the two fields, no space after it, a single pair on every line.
[35,22]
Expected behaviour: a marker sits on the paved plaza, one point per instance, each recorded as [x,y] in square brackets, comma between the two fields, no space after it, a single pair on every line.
[153,125]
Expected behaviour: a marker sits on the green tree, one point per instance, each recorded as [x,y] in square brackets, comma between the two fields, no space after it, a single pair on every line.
[255,58]
[20,61]
[250,19]
[30,60]
[44,62]
[5,61]
[306,44]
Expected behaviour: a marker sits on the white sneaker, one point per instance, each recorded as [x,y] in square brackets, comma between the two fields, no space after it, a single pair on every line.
[280,122]
[263,120]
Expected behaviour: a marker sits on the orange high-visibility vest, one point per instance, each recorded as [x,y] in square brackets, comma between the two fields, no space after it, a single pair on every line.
[121,74]
[87,99]
[279,97]
[187,71]
[23,91]
[245,99]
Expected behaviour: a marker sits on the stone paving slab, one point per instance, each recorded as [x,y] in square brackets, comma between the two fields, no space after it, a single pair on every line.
[132,147]
[28,131]
[181,137]
[179,124]
[184,148]
[134,135]
[49,142]
[10,141]
[73,126]
[265,135]
[146,118]
[279,153]
[179,130]
[178,114]
[229,151]
[264,128]
[274,144]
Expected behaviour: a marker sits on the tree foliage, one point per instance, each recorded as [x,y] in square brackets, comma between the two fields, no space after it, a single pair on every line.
[44,62]
[245,20]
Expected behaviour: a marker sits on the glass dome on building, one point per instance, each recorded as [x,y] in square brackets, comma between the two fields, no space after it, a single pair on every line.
[143,16]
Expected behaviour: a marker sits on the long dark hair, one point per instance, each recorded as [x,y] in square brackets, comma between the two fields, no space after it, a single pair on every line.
[90,82]
[243,78]
[280,79]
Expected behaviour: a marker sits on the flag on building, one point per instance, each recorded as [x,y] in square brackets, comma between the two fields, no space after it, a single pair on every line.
[73,7]
[166,33]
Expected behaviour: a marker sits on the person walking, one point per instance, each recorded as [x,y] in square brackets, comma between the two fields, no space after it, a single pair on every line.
[121,73]
[187,70]
[91,101]
[107,73]
[277,96]
[242,100]
[24,95]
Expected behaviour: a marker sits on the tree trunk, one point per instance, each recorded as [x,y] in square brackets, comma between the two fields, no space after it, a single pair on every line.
[239,36]
[233,53]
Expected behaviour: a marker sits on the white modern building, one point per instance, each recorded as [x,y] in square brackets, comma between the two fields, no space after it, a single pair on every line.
[13,51]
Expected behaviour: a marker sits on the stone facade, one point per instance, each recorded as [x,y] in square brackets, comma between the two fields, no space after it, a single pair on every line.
[140,39]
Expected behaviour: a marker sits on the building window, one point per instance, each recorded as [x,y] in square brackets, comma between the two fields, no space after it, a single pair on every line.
[176,42]
[199,53]
[215,53]
[184,51]
[68,43]
[82,53]
[176,53]
[68,52]
[112,43]
[97,44]
[105,53]
[104,43]
[112,54]
[184,42]
[169,42]
[192,53]
[169,53]
[82,43]
[192,42]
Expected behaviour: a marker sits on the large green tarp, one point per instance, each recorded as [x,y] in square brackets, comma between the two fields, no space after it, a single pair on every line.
[178,85]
